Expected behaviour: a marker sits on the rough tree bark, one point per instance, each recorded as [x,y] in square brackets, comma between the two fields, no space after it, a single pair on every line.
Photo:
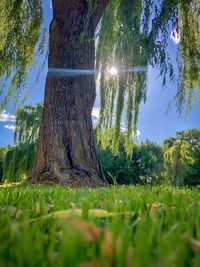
[66,151]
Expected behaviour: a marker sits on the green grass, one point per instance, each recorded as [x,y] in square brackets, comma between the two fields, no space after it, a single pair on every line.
[136,226]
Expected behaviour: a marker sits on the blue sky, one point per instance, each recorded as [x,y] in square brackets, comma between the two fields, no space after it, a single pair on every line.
[153,123]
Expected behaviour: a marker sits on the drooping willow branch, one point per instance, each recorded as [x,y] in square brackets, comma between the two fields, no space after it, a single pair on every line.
[22,37]
[136,33]
[28,121]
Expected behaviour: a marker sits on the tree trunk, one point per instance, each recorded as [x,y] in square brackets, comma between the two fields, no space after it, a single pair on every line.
[66,151]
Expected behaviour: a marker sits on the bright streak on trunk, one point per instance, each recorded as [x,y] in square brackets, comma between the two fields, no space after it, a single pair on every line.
[135,69]
[70,72]
[80,72]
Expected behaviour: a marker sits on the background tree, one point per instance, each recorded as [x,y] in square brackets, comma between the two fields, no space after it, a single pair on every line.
[182,157]
[145,165]
[119,167]
[28,121]
[16,163]
[150,162]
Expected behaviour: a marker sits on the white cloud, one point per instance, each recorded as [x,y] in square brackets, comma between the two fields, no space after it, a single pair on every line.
[138,133]
[4,116]
[175,35]
[123,129]
[95,115]
[10,127]
[96,112]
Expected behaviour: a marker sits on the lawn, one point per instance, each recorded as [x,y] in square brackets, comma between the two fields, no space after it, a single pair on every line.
[117,226]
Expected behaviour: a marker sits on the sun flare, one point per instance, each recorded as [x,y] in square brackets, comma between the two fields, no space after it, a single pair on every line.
[113,71]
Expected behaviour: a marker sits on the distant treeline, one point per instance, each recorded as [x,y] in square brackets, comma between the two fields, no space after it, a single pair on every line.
[176,161]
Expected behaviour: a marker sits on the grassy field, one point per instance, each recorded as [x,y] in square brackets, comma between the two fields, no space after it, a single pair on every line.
[117,226]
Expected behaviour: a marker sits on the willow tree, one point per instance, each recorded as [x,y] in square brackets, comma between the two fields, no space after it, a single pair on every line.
[28,121]
[130,33]
[181,157]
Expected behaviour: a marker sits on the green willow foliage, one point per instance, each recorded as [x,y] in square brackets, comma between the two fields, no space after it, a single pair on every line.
[3,151]
[28,121]
[19,162]
[189,66]
[22,38]
[136,33]
[182,158]
[121,43]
